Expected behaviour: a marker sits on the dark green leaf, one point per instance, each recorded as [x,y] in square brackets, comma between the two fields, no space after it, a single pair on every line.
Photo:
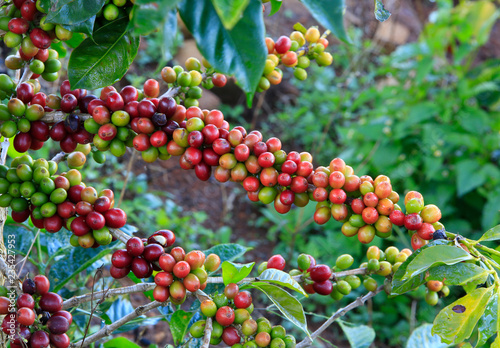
[488,324]
[235,272]
[380,12]
[469,176]
[150,17]
[456,322]
[72,11]
[281,278]
[491,214]
[241,51]
[169,34]
[120,342]
[77,261]
[288,305]
[400,285]
[230,11]
[179,325]
[76,40]
[491,234]
[422,337]
[359,336]
[86,27]
[435,256]
[330,13]
[104,59]
[227,252]
[275,6]
[459,274]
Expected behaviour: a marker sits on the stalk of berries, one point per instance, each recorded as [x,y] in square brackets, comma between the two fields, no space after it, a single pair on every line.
[232,323]
[27,30]
[295,51]
[32,189]
[178,271]
[37,321]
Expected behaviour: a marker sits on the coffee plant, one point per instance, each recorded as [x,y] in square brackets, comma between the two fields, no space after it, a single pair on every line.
[164,119]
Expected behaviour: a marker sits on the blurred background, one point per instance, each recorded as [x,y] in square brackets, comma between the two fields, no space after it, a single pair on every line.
[416,98]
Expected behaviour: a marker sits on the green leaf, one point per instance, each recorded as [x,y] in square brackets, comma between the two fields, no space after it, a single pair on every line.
[491,213]
[75,263]
[359,336]
[491,234]
[469,176]
[456,322]
[104,59]
[72,11]
[288,305]
[488,324]
[169,33]
[275,276]
[380,12]
[235,272]
[227,252]
[120,342]
[230,11]
[179,325]
[148,17]
[459,274]
[240,51]
[275,6]
[86,27]
[330,13]
[422,337]
[400,285]
[435,256]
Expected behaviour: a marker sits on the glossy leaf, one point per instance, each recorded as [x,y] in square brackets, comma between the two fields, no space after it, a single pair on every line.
[120,342]
[488,324]
[456,322]
[275,276]
[288,305]
[227,252]
[422,337]
[230,11]
[169,34]
[469,176]
[380,12]
[435,256]
[235,272]
[148,17]
[491,234]
[459,274]
[330,13]
[240,51]
[103,59]
[86,27]
[359,336]
[71,11]
[401,285]
[275,6]
[179,325]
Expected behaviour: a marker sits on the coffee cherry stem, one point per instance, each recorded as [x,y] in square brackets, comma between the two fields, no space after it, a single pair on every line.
[61,156]
[26,75]
[306,342]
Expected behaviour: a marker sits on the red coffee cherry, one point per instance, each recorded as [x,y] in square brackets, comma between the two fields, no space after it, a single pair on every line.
[243,299]
[277,262]
[320,273]
[225,316]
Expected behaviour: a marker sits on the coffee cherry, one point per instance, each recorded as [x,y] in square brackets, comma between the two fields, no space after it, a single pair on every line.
[243,299]
[344,261]
[276,262]
[39,339]
[225,316]
[42,284]
[177,291]
[57,325]
[51,302]
[25,316]
[119,273]
[181,269]
[212,262]
[320,273]
[141,268]
[323,287]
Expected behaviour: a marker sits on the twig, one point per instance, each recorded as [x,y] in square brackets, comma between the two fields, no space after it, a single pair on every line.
[359,302]
[28,253]
[26,75]
[102,295]
[172,92]
[129,169]
[108,329]
[99,272]
[208,333]
[59,157]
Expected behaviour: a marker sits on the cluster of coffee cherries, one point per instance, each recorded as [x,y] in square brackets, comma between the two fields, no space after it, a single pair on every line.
[366,206]
[114,9]
[33,190]
[295,51]
[36,319]
[421,220]
[27,30]
[178,271]
[435,289]
[233,324]
[188,80]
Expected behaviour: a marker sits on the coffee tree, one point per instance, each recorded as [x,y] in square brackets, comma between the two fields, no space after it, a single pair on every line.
[164,120]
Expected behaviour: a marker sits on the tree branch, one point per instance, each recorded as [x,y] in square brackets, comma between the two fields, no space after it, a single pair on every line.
[120,235]
[59,157]
[358,302]
[108,329]
[101,295]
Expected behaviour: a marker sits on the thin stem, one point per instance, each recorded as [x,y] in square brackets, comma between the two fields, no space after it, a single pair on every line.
[61,156]
[29,251]
[359,302]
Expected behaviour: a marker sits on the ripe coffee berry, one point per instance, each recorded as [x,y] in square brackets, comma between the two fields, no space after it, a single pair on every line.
[277,262]
[243,299]
[320,273]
